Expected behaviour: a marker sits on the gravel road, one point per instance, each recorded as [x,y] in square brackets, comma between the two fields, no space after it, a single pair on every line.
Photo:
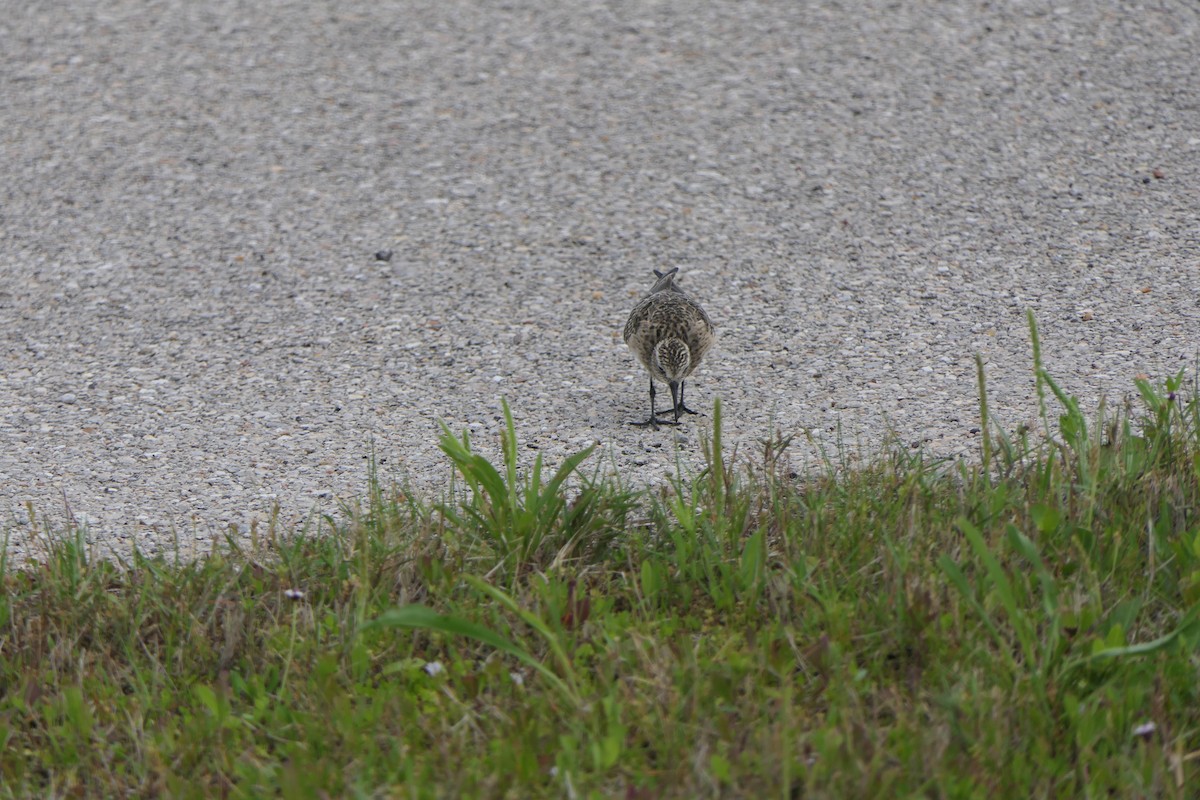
[195,327]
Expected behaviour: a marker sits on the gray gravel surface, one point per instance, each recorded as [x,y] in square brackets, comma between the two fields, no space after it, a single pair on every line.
[195,329]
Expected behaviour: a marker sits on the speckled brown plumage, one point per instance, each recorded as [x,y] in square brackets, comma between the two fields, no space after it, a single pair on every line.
[669,333]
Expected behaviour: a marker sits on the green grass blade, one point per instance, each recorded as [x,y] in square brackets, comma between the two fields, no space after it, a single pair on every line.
[956,576]
[535,622]
[1186,634]
[421,617]
[1003,587]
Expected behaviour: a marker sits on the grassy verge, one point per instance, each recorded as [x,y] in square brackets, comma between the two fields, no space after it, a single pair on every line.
[1021,627]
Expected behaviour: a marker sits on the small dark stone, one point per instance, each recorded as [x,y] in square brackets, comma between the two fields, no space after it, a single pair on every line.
[383,255]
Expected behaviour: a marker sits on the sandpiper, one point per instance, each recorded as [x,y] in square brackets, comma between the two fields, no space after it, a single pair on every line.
[669,333]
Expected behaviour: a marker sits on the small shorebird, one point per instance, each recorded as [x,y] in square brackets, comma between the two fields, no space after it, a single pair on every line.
[669,333]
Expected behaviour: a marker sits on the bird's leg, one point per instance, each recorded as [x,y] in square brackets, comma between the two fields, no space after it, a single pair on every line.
[682,407]
[652,422]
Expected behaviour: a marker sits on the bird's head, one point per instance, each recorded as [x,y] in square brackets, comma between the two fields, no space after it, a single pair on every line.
[672,358]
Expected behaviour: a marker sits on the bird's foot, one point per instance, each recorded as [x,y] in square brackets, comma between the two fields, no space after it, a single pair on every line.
[683,410]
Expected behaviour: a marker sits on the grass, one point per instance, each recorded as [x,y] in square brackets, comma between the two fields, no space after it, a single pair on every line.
[1022,626]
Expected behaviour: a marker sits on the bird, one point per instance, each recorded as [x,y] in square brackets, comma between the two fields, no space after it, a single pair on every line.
[669,333]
